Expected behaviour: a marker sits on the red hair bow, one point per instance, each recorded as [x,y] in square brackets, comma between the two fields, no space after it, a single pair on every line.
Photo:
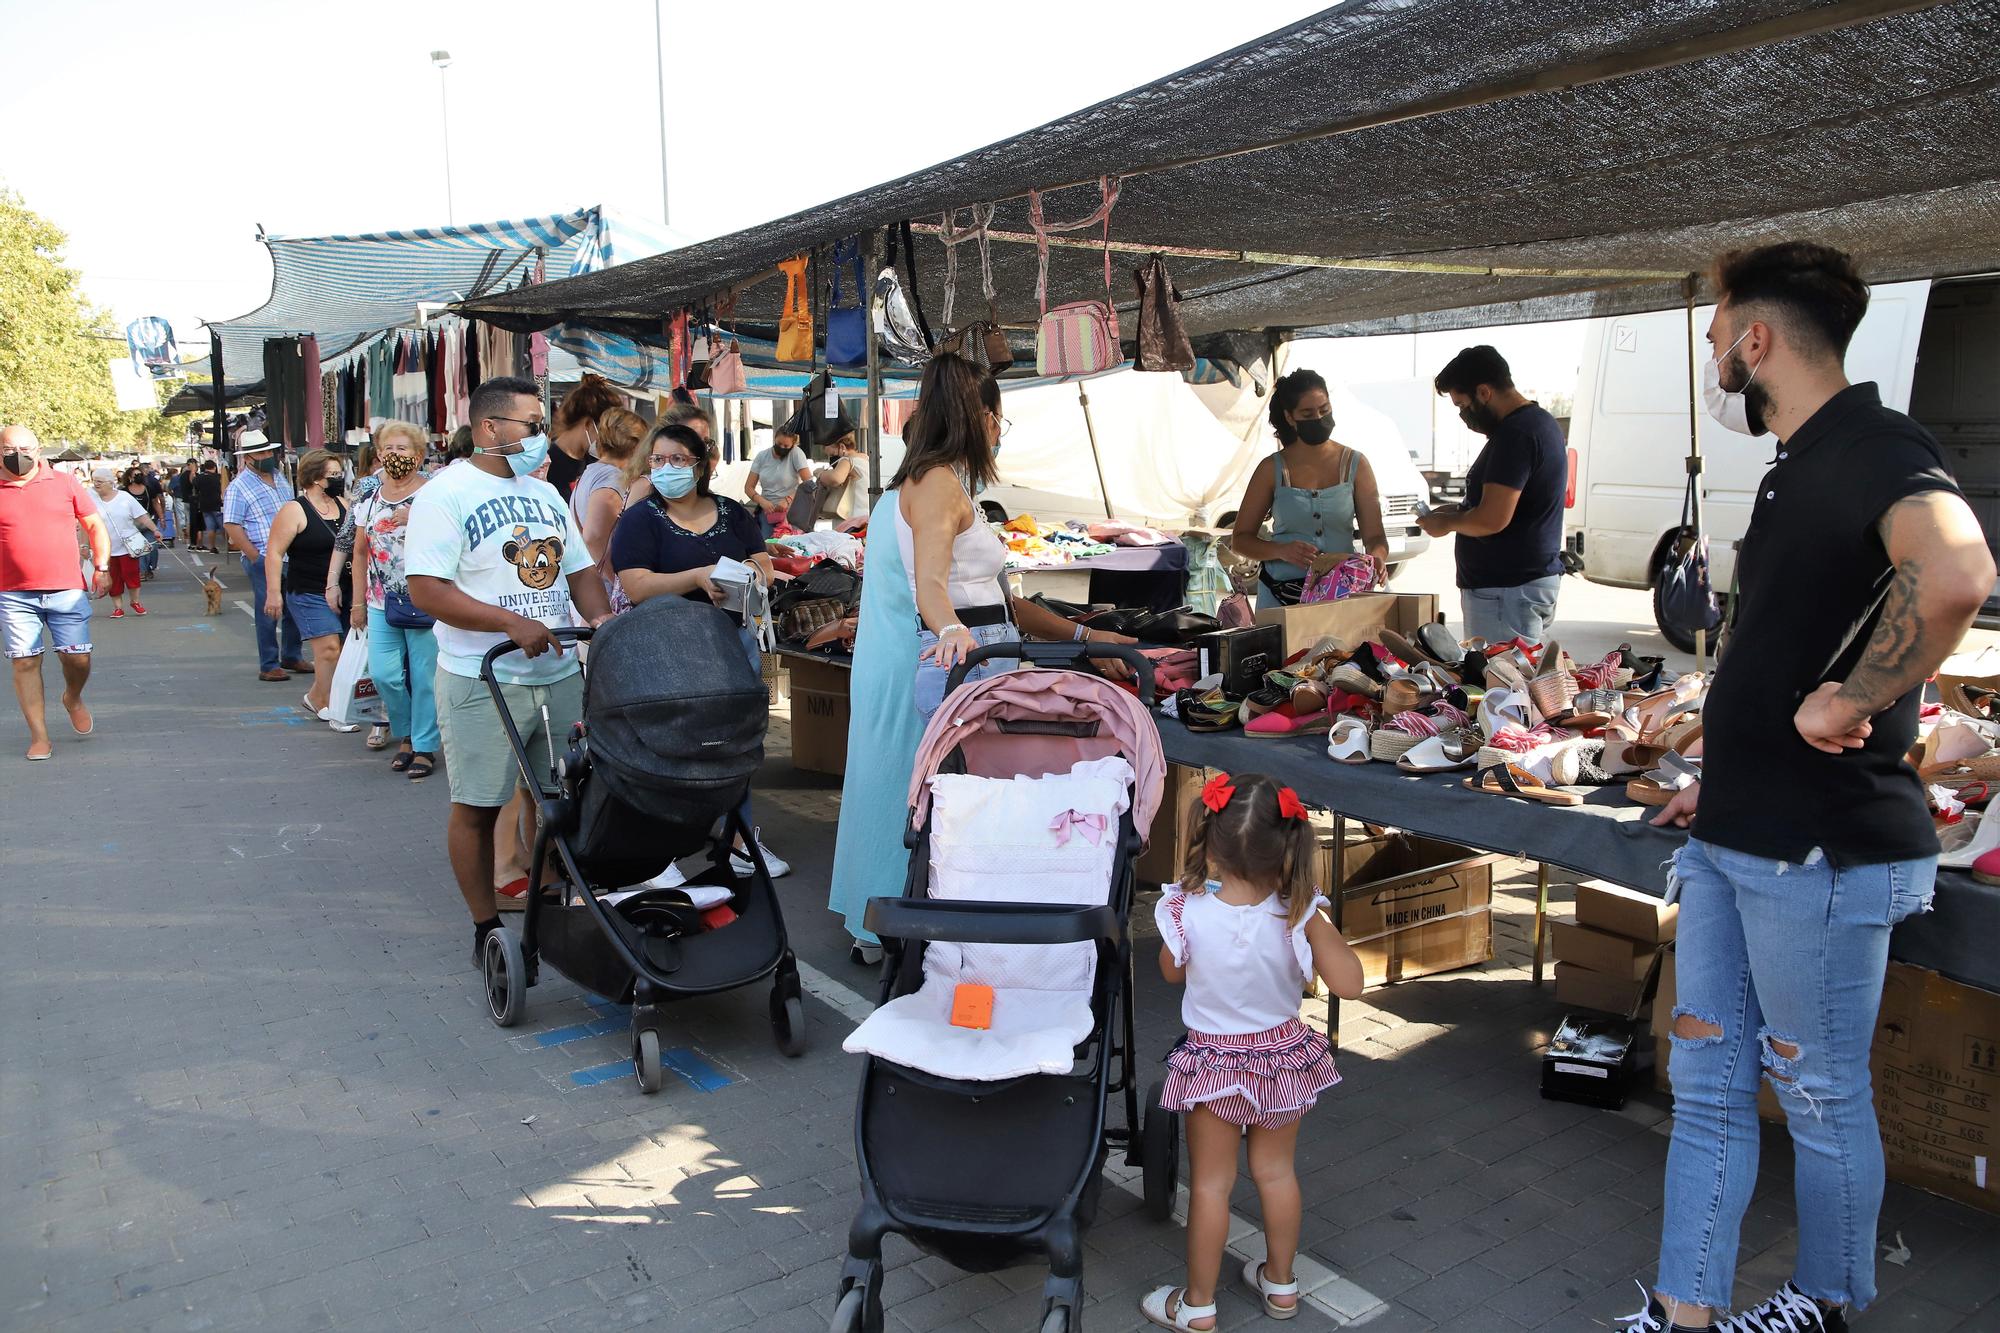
[1289,804]
[1215,793]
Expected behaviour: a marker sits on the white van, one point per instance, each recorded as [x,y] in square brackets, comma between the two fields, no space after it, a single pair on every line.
[1933,348]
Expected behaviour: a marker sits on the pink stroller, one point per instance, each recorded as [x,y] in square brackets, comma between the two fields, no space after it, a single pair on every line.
[1032,796]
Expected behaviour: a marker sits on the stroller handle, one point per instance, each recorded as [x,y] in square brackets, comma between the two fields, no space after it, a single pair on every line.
[1061,655]
[500,650]
[990,923]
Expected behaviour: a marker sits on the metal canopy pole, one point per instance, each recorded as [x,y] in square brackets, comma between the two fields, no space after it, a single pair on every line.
[874,410]
[1694,456]
[1090,429]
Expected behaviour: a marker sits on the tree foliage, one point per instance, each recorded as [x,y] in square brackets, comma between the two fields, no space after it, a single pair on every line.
[53,372]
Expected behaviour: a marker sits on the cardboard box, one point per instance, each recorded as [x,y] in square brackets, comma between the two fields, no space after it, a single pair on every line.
[1598,951]
[1410,906]
[819,715]
[1352,619]
[1628,912]
[1936,1062]
[1160,863]
[1597,990]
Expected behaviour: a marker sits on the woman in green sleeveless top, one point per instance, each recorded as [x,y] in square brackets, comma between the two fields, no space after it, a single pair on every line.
[1318,493]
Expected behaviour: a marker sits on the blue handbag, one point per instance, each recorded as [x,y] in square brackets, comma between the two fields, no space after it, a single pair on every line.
[400,611]
[847,326]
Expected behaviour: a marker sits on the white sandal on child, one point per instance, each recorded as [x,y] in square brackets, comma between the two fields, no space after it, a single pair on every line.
[1253,1278]
[1154,1307]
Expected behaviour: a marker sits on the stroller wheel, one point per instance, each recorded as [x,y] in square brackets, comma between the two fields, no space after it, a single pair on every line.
[1160,1155]
[1057,1321]
[506,976]
[847,1314]
[788,1021]
[646,1059]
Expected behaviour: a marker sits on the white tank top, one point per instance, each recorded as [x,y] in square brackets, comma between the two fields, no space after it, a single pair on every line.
[977,557]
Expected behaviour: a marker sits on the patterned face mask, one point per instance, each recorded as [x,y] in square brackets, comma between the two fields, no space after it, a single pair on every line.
[398,466]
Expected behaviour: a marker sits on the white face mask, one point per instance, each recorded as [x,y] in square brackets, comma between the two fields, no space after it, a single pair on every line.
[1731,409]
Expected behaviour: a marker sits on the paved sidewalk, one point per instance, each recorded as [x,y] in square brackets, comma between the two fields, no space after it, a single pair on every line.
[249,1083]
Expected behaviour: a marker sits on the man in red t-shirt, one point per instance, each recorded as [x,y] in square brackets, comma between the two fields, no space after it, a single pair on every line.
[41,583]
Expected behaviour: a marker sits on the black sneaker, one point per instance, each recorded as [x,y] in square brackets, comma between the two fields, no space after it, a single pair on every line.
[1788,1310]
[1652,1319]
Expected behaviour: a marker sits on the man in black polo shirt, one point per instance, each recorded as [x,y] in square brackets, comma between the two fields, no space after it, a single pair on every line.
[1509,548]
[1861,569]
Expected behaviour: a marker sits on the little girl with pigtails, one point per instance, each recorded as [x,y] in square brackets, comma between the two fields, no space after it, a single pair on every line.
[1244,931]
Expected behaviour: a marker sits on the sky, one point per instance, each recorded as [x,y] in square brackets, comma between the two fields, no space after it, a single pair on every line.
[161,136]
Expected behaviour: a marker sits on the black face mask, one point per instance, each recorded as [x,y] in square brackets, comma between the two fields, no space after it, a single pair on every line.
[1314,430]
[17,463]
[334,487]
[264,462]
[1477,416]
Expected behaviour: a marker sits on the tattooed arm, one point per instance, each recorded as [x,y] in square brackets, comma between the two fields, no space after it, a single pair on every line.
[1943,574]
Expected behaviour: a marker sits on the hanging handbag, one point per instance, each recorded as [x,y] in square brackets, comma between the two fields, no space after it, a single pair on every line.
[1686,598]
[902,234]
[980,341]
[725,367]
[847,325]
[400,611]
[795,325]
[1163,343]
[1081,337]
[822,415]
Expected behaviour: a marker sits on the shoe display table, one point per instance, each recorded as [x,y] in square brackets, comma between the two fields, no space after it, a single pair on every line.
[1607,837]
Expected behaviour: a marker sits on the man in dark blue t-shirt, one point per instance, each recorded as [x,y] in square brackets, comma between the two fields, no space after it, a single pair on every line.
[1510,526]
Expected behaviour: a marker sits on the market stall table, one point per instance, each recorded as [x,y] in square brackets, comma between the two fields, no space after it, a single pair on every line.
[1607,837]
[1154,577]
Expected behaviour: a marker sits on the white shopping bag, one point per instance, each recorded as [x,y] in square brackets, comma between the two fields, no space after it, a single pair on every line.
[353,691]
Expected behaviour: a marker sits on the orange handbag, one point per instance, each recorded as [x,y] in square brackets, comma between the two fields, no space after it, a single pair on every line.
[795,326]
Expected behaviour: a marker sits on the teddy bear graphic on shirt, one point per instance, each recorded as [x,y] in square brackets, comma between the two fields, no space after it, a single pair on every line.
[537,561]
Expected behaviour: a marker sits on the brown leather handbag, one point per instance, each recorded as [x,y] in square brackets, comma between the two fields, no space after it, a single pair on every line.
[1163,343]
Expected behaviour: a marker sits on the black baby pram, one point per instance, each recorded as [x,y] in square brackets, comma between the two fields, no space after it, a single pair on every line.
[1031,797]
[672,732]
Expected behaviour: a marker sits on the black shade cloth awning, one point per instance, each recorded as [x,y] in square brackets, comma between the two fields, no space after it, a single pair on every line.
[1599,140]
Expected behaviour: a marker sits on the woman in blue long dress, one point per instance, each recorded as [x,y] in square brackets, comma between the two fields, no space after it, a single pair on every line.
[885,720]
[883,728]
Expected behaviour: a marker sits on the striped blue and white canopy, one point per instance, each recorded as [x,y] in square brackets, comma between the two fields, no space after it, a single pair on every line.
[347,289]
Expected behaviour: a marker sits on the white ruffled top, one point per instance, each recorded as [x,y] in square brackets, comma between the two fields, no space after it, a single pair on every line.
[1245,971]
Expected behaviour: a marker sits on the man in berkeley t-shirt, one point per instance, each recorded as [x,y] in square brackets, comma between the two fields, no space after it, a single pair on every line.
[492,554]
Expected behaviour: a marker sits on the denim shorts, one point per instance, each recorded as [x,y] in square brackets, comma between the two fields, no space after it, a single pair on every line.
[931,678]
[25,615]
[312,615]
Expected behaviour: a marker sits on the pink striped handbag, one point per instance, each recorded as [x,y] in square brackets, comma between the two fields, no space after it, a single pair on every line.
[1080,337]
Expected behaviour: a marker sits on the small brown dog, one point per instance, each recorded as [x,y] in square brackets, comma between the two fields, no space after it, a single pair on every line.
[211,592]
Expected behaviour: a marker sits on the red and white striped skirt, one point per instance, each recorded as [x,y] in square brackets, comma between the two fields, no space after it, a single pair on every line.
[1268,1079]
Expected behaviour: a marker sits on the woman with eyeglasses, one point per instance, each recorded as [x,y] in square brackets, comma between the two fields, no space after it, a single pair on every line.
[1318,493]
[668,544]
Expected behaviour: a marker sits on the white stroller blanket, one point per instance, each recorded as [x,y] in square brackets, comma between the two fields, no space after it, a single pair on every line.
[1051,839]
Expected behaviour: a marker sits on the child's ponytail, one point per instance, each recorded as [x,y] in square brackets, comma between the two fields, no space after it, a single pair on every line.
[1249,825]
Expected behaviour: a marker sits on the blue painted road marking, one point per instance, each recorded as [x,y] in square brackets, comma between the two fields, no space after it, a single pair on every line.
[286,716]
[199,627]
[683,1060]
[599,1027]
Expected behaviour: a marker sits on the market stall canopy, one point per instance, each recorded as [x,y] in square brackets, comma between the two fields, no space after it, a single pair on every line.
[1367,169]
[345,290]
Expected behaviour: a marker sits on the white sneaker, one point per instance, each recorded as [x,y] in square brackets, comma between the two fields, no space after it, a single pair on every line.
[777,865]
[670,878]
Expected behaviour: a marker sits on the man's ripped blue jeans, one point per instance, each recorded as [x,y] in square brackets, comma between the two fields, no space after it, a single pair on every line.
[1780,967]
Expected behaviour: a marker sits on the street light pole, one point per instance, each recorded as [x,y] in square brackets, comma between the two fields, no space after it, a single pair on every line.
[442,59]
[660,82]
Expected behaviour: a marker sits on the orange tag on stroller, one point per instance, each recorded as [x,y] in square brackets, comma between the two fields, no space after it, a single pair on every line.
[972,1005]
